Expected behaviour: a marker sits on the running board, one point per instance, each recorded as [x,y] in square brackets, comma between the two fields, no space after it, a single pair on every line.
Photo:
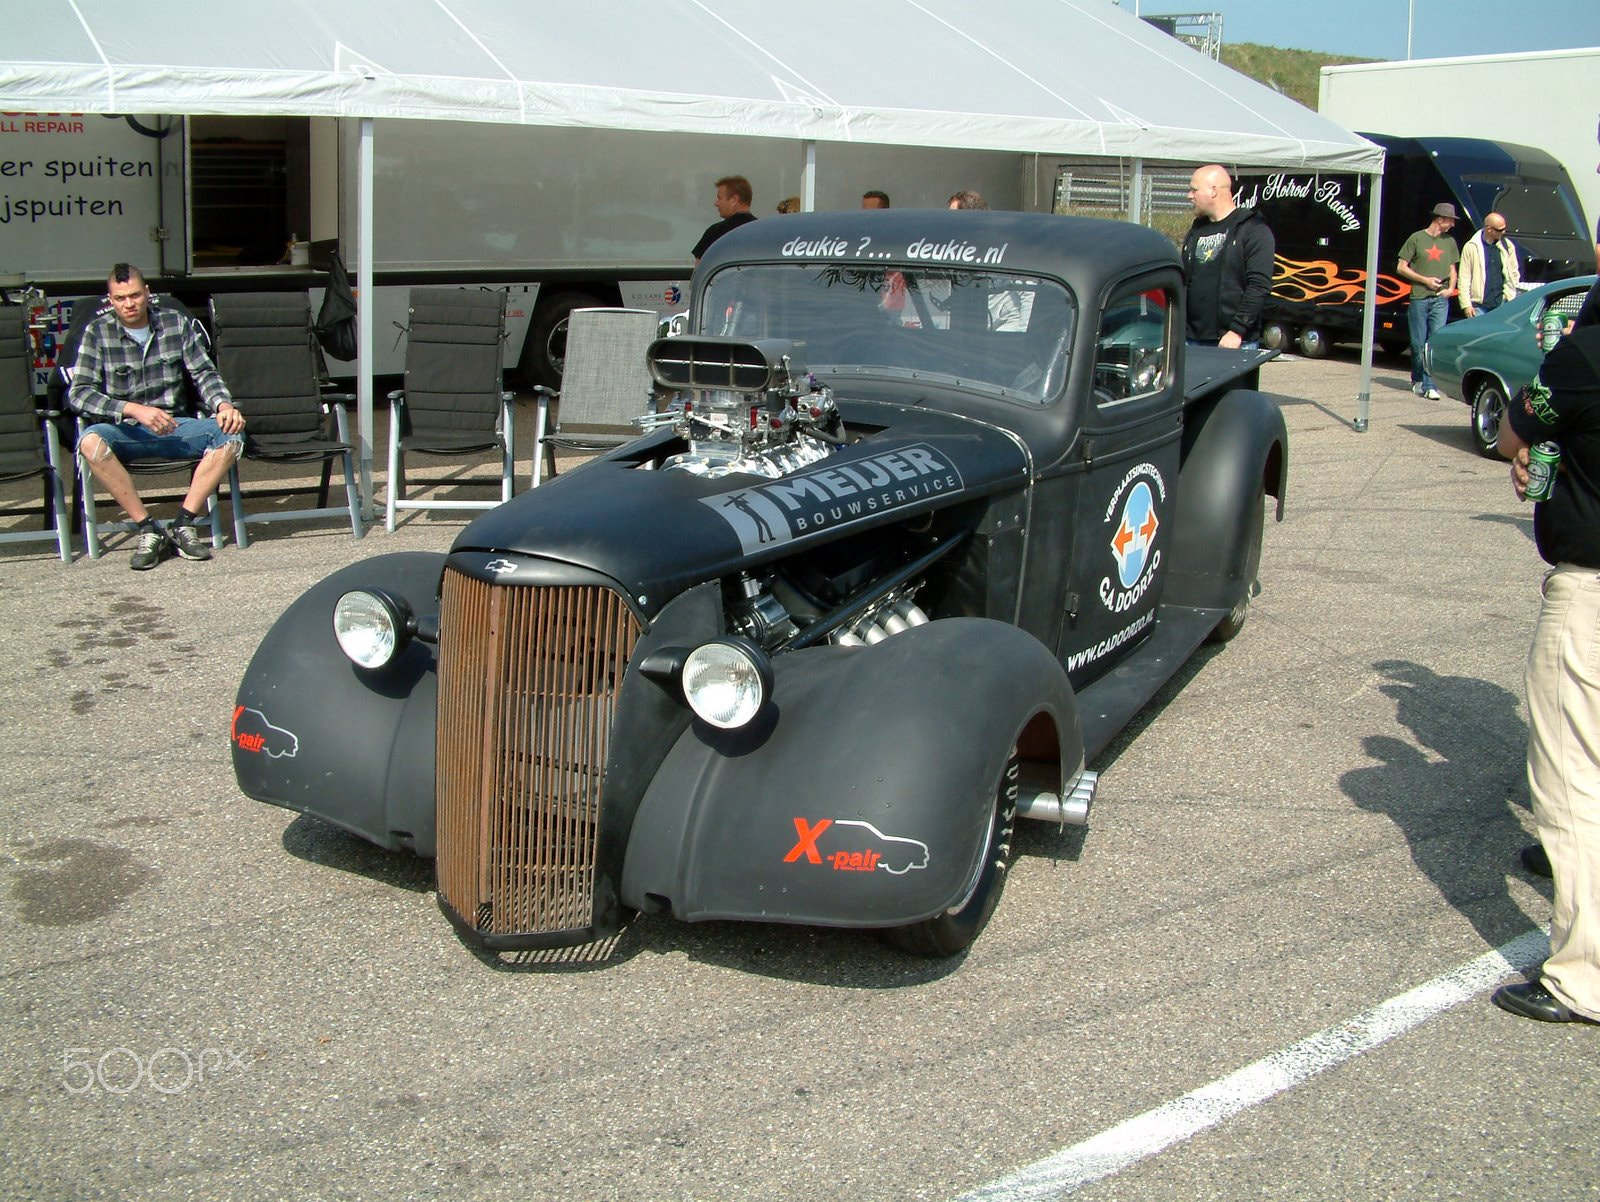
[1037,800]
[1109,704]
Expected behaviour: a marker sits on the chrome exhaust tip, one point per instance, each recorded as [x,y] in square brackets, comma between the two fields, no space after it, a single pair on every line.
[1043,804]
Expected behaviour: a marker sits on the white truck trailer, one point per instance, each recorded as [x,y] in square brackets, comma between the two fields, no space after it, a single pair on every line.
[559,217]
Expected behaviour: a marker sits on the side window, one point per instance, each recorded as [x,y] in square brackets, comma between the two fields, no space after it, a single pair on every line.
[1132,355]
[1567,304]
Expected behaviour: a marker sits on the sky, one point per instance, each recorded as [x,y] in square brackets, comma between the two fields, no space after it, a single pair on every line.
[1377,28]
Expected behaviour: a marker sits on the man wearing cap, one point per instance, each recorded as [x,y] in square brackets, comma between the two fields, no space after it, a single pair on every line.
[1428,260]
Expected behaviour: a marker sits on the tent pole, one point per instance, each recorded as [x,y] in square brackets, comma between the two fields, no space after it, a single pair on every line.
[364,314]
[808,179]
[1369,312]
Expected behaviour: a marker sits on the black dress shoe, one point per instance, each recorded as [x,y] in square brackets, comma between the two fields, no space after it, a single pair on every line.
[1536,860]
[1532,1000]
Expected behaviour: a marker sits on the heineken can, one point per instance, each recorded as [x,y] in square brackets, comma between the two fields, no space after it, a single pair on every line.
[1542,460]
[1551,326]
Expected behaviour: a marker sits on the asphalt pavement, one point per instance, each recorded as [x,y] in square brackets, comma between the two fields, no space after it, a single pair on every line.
[205,997]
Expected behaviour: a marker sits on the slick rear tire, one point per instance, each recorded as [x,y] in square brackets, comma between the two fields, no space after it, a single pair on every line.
[1234,622]
[1488,411]
[953,932]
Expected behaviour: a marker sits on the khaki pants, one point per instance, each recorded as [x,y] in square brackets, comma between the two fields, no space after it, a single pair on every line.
[1563,684]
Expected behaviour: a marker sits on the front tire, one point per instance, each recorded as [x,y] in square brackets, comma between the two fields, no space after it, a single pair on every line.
[1276,336]
[1488,411]
[953,931]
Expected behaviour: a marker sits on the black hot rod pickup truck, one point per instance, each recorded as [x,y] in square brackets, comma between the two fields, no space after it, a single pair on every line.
[932,505]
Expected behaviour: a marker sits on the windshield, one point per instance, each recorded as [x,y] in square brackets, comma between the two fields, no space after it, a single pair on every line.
[1000,332]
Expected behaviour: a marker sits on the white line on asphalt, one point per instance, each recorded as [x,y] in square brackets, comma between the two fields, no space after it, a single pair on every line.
[1155,1130]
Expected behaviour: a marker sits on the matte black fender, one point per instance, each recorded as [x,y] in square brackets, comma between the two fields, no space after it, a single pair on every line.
[863,798]
[314,733]
[1234,447]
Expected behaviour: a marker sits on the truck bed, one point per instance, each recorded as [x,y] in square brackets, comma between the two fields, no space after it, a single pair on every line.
[1210,369]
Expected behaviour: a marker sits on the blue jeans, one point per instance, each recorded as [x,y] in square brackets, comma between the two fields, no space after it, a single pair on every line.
[194,437]
[1427,316]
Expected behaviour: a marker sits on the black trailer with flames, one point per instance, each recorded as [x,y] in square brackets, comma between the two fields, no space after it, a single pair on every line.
[1321,219]
[939,502]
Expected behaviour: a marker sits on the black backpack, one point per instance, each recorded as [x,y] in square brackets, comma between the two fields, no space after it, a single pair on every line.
[336,321]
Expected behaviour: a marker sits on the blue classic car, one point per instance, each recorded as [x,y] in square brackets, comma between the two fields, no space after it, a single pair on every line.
[1485,360]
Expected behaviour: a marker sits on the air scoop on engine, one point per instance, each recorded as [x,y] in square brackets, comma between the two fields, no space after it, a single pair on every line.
[742,406]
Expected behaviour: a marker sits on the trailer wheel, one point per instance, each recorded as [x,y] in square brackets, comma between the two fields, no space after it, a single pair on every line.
[1276,336]
[952,932]
[545,350]
[1313,342]
[1488,410]
[1234,622]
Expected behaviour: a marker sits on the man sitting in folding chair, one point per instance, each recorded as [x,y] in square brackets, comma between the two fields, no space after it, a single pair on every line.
[130,374]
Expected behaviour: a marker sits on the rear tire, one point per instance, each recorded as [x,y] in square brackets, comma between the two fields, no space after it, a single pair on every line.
[1488,411]
[953,932]
[1234,622]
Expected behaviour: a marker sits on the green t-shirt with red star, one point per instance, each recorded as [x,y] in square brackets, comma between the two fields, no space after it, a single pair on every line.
[1427,255]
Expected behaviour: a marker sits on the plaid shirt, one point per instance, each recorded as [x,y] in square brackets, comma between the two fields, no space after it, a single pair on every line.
[112,369]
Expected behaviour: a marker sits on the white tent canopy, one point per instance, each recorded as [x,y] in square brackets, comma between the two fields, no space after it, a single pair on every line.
[1078,77]
[1060,77]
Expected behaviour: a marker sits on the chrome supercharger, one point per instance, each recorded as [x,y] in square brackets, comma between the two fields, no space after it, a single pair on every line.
[743,407]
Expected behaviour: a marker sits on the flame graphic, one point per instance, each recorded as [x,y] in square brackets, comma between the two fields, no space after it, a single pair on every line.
[1324,282]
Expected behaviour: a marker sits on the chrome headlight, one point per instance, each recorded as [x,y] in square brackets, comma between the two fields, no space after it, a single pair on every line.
[372,626]
[726,682]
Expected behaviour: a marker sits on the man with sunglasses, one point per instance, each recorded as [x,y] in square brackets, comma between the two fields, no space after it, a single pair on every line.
[1488,275]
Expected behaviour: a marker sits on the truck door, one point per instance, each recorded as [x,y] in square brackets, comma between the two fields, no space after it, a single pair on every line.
[172,237]
[1130,447]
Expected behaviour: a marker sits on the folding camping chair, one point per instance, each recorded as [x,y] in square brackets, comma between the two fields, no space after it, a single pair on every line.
[29,445]
[265,353]
[605,384]
[454,403]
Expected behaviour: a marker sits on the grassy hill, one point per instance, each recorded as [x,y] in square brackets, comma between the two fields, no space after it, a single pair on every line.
[1292,72]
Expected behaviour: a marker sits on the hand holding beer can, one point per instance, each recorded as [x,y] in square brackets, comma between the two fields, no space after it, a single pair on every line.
[1542,460]
[1551,326]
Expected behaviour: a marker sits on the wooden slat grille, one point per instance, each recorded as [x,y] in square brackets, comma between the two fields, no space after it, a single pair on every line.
[528,681]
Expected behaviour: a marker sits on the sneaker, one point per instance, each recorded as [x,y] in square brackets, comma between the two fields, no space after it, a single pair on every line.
[1432,395]
[1418,389]
[187,542]
[149,549]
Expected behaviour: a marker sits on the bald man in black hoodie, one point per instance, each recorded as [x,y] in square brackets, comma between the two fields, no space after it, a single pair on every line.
[1228,257]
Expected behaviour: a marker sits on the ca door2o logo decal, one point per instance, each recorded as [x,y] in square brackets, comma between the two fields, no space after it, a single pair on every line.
[1134,520]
